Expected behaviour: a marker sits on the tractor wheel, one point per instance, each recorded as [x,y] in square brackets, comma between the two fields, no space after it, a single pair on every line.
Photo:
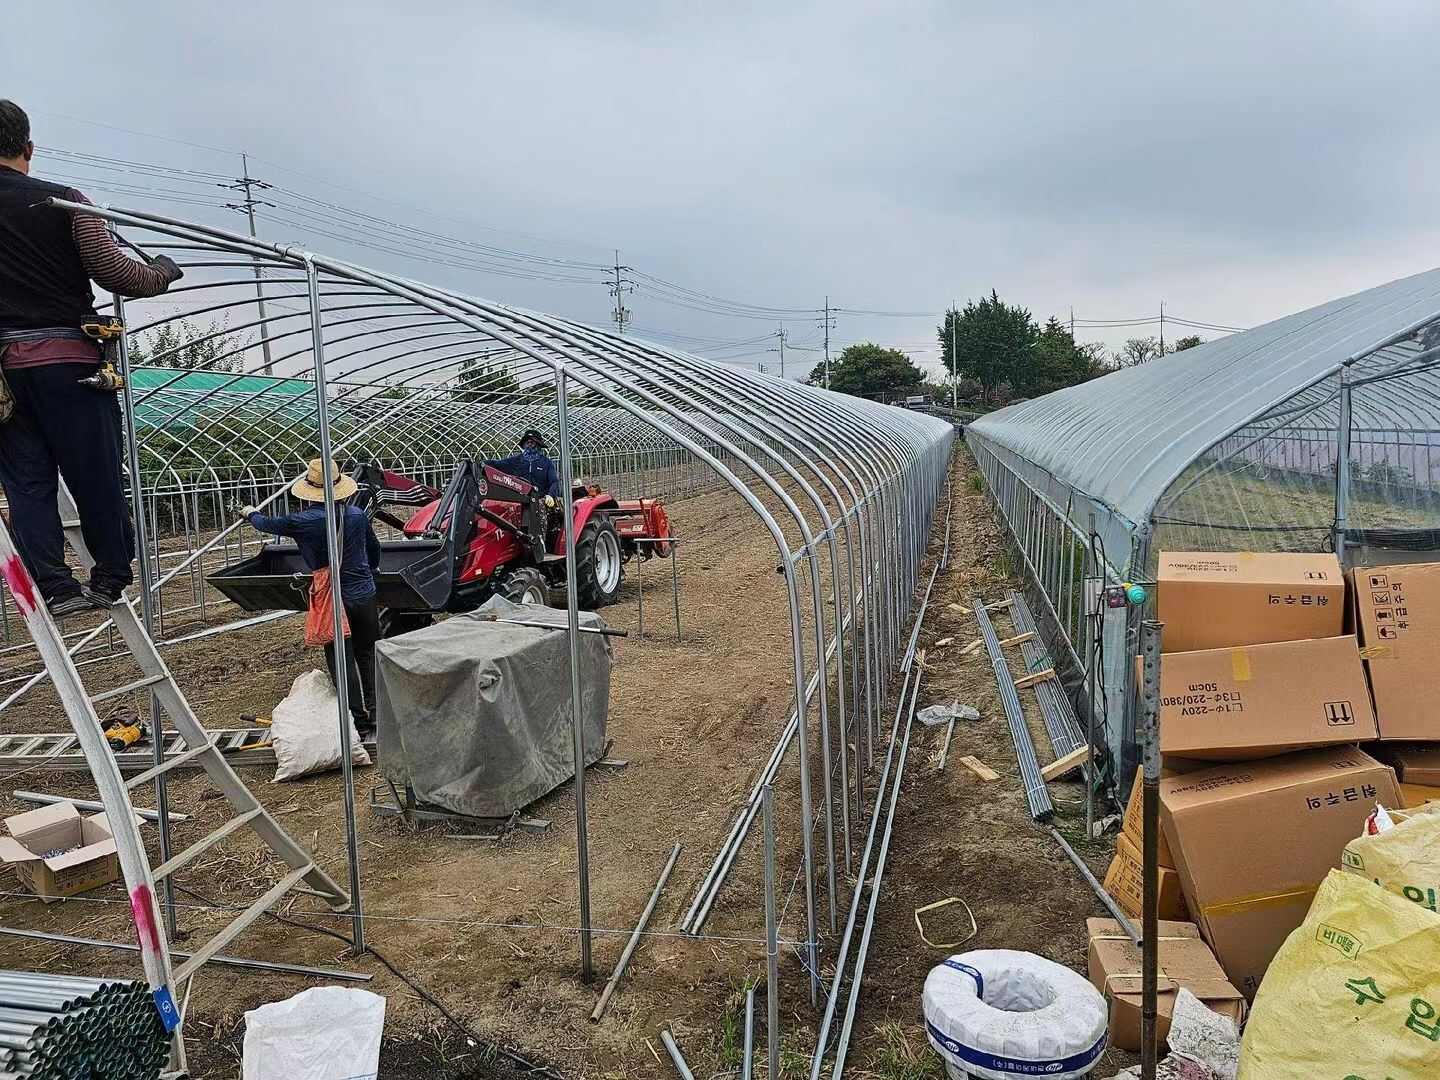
[525,585]
[599,568]
[394,623]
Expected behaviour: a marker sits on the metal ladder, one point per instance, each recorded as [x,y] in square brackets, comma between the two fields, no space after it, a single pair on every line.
[59,751]
[201,749]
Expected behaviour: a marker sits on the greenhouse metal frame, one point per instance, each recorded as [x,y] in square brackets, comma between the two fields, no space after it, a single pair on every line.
[1319,431]
[416,378]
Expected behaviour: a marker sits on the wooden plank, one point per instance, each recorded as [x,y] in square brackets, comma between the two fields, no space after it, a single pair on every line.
[1069,763]
[979,768]
[1031,680]
[1019,638]
[974,647]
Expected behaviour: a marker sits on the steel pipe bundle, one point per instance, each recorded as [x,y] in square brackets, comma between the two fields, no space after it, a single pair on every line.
[55,1027]
[1066,735]
[1036,794]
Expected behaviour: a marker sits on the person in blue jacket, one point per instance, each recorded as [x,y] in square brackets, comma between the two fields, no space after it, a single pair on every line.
[360,559]
[533,466]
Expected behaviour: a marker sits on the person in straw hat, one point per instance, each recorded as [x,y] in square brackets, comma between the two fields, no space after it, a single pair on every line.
[360,557]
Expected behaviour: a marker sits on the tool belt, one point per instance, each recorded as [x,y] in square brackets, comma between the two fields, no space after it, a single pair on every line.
[103,334]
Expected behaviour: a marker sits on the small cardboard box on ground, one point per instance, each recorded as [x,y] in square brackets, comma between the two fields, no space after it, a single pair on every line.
[1125,881]
[57,853]
[1133,827]
[1213,600]
[1397,617]
[1252,701]
[1253,840]
[1185,961]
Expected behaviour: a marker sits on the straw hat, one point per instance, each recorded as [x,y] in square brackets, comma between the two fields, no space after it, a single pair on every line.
[311,486]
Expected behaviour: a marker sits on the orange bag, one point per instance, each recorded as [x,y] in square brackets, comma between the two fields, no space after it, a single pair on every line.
[320,620]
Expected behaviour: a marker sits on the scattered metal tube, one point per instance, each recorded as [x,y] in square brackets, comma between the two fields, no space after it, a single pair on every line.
[678,1058]
[89,805]
[1116,912]
[772,944]
[337,974]
[1036,794]
[619,973]
[843,1047]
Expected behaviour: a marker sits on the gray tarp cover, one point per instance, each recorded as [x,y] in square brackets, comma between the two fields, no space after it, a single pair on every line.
[475,715]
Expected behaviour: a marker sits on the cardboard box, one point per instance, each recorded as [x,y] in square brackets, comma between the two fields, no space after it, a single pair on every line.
[1213,600]
[1255,701]
[1414,763]
[1134,819]
[1125,881]
[1185,960]
[85,859]
[1397,617]
[1253,840]
[1414,796]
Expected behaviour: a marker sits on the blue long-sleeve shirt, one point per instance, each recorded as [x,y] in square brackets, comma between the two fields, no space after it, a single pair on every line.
[359,559]
[535,469]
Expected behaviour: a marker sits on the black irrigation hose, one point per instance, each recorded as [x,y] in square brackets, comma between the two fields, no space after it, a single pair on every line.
[519,1060]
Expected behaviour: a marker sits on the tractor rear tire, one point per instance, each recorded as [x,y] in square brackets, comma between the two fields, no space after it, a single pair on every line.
[599,567]
[525,585]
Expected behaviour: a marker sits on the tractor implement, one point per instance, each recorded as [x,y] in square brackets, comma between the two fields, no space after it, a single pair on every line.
[488,533]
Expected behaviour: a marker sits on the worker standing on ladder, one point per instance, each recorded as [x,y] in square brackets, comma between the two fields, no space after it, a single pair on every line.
[52,424]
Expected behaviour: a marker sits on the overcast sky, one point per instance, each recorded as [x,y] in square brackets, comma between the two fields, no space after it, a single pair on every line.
[1237,161]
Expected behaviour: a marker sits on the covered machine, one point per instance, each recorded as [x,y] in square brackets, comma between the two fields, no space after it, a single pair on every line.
[474,712]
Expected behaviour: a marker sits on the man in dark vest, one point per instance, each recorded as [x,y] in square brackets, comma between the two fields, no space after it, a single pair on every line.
[48,258]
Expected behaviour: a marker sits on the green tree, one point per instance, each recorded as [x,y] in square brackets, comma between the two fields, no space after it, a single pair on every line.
[181,343]
[1188,342]
[1057,362]
[480,380]
[867,370]
[994,343]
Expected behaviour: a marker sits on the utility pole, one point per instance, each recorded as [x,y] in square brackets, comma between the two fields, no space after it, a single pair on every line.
[1072,324]
[954,361]
[248,184]
[780,337]
[618,288]
[826,323]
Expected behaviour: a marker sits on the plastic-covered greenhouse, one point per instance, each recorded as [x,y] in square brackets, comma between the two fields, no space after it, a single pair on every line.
[1230,446]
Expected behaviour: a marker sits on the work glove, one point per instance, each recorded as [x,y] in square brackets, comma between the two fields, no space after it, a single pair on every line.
[172,269]
[550,502]
[246,511]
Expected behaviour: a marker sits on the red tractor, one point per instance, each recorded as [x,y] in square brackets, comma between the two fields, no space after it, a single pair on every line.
[487,533]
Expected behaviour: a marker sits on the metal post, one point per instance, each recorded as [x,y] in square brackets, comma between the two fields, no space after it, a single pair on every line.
[675,582]
[1150,925]
[342,667]
[1094,626]
[147,602]
[747,1063]
[1342,465]
[954,361]
[772,945]
[577,722]
[639,593]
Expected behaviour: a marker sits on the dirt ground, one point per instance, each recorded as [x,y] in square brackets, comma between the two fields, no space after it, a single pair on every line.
[487,928]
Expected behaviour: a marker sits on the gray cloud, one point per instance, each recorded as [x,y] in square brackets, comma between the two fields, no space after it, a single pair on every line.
[1238,161]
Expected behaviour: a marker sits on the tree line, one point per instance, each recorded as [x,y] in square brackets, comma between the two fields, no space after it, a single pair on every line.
[997,351]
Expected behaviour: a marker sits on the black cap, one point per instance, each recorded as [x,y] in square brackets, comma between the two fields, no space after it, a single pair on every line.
[531,433]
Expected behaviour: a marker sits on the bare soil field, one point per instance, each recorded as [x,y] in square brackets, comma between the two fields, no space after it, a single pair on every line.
[488,929]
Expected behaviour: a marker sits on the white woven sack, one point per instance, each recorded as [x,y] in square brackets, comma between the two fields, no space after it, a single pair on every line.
[304,729]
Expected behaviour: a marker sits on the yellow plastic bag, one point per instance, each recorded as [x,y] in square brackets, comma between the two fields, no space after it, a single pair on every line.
[1353,994]
[1405,859]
